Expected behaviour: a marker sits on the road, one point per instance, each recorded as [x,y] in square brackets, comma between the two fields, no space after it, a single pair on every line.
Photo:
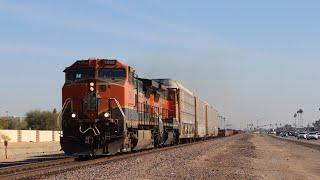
[311,141]
[242,156]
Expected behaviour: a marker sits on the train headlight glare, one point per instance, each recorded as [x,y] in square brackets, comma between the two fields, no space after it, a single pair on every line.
[91,89]
[106,115]
[92,84]
[73,115]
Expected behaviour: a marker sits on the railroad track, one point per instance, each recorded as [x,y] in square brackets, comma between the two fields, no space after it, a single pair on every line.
[42,169]
[27,170]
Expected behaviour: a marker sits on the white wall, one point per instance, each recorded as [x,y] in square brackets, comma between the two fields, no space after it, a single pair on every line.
[30,135]
[56,135]
[12,134]
[45,136]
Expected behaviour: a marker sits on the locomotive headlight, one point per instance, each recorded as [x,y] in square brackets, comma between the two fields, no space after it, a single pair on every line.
[73,115]
[106,115]
[91,89]
[91,84]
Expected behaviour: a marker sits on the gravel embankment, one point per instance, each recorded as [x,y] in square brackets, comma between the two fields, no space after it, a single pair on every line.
[227,158]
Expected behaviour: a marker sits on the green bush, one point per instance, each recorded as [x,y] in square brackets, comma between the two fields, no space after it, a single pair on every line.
[42,120]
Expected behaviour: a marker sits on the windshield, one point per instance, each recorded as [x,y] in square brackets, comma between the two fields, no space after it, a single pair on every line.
[112,73]
[79,74]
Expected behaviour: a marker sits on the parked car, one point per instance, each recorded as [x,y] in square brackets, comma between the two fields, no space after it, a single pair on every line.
[291,133]
[273,132]
[313,135]
[296,133]
[284,134]
[302,135]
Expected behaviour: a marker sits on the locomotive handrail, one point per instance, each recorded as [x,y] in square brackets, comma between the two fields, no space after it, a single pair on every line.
[119,106]
[124,116]
[64,107]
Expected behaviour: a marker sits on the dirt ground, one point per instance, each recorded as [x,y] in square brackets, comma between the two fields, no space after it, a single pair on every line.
[28,150]
[276,159]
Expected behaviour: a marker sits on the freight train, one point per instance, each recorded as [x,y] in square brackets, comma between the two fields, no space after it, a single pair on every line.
[107,108]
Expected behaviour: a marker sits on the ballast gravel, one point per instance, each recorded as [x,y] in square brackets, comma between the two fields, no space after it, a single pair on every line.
[223,158]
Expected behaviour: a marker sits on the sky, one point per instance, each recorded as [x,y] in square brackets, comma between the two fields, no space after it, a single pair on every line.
[249,59]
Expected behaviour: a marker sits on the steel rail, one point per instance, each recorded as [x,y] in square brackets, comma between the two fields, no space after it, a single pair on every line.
[8,172]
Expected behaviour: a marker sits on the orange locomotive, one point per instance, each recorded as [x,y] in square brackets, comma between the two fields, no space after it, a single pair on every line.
[107,109]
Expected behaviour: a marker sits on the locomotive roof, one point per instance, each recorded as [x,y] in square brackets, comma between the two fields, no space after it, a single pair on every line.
[174,84]
[95,63]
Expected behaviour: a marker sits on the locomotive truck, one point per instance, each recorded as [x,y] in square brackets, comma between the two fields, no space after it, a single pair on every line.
[107,108]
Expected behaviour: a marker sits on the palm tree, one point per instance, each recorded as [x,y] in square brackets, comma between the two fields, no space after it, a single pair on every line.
[299,112]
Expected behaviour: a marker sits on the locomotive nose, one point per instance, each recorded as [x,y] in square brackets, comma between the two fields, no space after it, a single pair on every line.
[91,100]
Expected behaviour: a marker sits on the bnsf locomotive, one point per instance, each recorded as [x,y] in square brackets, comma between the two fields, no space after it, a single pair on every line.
[108,109]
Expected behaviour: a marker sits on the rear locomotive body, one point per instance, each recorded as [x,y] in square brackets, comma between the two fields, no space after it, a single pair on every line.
[108,109]
[185,109]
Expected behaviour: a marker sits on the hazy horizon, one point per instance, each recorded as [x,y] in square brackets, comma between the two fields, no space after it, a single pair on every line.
[250,60]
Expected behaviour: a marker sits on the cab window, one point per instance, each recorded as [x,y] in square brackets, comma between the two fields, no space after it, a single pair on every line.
[79,74]
[112,73]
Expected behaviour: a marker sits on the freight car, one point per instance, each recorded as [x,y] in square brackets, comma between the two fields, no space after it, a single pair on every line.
[212,121]
[229,132]
[108,109]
